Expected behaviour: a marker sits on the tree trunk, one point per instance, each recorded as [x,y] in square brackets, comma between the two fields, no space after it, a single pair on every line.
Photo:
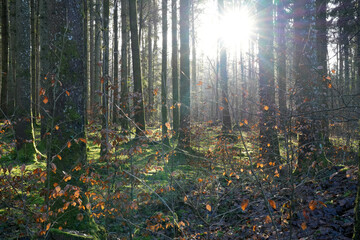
[116,66]
[68,113]
[164,117]
[226,118]
[302,81]
[321,47]
[138,95]
[105,79]
[23,86]
[98,64]
[174,66]
[184,130]
[281,61]
[193,65]
[124,65]
[92,59]
[268,136]
[150,63]
[4,55]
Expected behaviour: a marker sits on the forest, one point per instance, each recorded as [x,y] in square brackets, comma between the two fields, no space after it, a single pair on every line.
[180,119]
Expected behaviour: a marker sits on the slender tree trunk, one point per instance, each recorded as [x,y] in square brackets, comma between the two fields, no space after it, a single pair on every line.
[98,64]
[164,117]
[268,136]
[193,65]
[116,66]
[23,86]
[303,85]
[226,118]
[281,61]
[150,62]
[11,80]
[138,95]
[124,65]
[105,78]
[92,59]
[321,46]
[4,55]
[174,66]
[184,130]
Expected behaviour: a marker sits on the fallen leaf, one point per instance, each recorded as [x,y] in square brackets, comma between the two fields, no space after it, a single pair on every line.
[208,207]
[272,204]
[46,100]
[303,226]
[244,204]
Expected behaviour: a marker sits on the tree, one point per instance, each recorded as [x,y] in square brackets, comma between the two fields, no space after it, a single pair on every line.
[150,58]
[23,87]
[268,137]
[193,63]
[302,79]
[321,49]
[105,79]
[115,63]
[226,118]
[139,115]
[124,105]
[164,117]
[281,60]
[174,67]
[92,57]
[96,81]
[65,93]
[4,54]
[184,130]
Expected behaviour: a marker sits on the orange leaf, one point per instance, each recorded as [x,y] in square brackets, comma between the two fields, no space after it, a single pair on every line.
[312,205]
[329,85]
[67,93]
[167,125]
[303,226]
[88,206]
[57,127]
[185,199]
[199,83]
[208,207]
[83,140]
[246,122]
[68,144]
[57,189]
[244,204]
[266,108]
[60,228]
[48,226]
[41,92]
[333,71]
[59,157]
[221,108]
[272,204]
[46,100]
[267,219]
[67,178]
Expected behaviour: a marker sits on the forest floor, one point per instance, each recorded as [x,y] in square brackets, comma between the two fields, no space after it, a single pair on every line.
[212,193]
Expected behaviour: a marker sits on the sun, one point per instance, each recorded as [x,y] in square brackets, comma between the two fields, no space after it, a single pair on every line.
[235,28]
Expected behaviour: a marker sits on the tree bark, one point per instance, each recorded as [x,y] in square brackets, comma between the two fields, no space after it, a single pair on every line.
[139,115]
[193,65]
[124,65]
[184,130]
[268,137]
[164,115]
[23,86]
[4,55]
[281,62]
[116,66]
[174,66]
